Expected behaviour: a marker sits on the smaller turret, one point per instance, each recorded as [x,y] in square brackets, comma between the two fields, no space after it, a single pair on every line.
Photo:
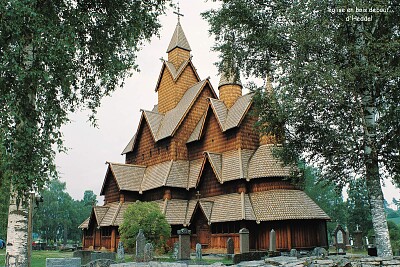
[230,87]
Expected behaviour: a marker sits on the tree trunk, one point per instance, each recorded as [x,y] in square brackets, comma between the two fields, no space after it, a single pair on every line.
[373,180]
[17,235]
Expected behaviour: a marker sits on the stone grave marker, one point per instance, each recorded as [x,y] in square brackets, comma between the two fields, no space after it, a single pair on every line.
[184,244]
[340,238]
[272,240]
[148,252]
[244,240]
[63,262]
[120,252]
[230,246]
[140,243]
[175,251]
[199,254]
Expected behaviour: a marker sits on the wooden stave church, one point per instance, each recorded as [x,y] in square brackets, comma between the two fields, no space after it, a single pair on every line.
[199,157]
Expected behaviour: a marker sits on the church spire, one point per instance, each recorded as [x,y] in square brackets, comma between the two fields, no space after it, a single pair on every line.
[178,39]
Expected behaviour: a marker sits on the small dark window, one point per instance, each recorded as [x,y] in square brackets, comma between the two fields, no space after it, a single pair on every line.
[150,152]
[158,150]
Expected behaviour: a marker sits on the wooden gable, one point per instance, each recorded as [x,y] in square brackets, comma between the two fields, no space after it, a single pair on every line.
[146,151]
[189,122]
[110,189]
[172,84]
[213,139]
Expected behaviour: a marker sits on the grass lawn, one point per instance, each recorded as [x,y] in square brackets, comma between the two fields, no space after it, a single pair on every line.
[39,257]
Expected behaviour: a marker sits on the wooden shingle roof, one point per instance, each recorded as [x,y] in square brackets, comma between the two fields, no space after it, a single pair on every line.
[264,164]
[165,125]
[273,205]
[178,39]
[227,118]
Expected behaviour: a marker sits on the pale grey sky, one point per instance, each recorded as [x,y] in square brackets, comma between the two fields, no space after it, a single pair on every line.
[83,167]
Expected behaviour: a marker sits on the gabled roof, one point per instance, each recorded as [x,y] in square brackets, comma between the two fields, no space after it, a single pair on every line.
[128,177]
[175,73]
[264,164]
[227,118]
[268,206]
[165,125]
[215,160]
[178,39]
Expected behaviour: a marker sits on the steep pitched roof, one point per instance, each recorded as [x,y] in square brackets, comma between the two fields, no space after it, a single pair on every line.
[264,164]
[165,125]
[227,118]
[156,175]
[175,73]
[215,160]
[178,39]
[268,206]
[128,177]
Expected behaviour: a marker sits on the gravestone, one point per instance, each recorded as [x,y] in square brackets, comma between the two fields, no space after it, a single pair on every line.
[357,235]
[272,240]
[244,240]
[148,252]
[175,251]
[340,239]
[87,256]
[230,246]
[140,243]
[199,254]
[184,244]
[120,252]
[63,262]
[293,253]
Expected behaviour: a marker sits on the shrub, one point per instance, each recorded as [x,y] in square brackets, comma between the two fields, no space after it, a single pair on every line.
[146,216]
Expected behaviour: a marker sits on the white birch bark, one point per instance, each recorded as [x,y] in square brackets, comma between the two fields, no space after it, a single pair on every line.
[17,235]
[17,227]
[378,213]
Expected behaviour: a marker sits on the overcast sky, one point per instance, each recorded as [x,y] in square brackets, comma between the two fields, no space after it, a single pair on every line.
[83,167]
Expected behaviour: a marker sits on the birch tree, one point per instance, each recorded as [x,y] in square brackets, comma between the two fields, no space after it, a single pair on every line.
[57,57]
[335,67]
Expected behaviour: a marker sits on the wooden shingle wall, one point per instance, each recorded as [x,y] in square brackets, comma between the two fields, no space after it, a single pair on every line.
[111,191]
[178,144]
[177,56]
[213,139]
[230,93]
[249,137]
[146,151]
[170,91]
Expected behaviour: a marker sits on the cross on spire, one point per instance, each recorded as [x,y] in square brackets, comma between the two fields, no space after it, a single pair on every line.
[178,12]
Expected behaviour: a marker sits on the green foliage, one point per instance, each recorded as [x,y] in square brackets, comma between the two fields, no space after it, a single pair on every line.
[394,232]
[358,208]
[58,216]
[146,216]
[313,56]
[57,57]
[336,100]
[327,196]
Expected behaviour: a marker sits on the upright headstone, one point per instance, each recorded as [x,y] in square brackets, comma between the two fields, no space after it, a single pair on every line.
[244,240]
[120,252]
[340,239]
[272,240]
[148,252]
[184,244]
[63,262]
[230,246]
[199,254]
[175,252]
[140,243]
[357,237]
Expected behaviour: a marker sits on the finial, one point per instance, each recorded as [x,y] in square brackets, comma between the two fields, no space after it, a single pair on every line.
[178,12]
